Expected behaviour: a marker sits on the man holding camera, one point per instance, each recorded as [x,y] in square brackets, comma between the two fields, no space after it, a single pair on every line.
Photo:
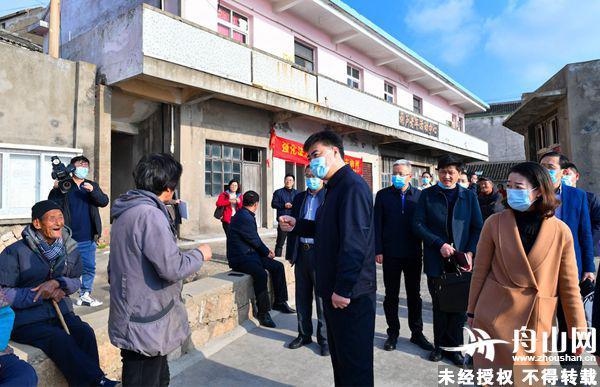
[80,208]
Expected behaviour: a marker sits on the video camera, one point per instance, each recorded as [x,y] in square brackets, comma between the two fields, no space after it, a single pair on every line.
[62,173]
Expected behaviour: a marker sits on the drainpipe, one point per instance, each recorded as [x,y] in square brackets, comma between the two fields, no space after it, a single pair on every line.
[54,34]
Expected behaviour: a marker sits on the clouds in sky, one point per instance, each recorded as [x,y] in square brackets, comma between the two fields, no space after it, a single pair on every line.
[531,38]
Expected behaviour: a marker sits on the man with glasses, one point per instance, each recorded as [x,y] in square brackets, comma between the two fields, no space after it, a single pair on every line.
[399,250]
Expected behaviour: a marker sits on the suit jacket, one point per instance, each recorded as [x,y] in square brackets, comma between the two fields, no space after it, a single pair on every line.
[430,225]
[280,197]
[291,252]
[510,289]
[394,233]
[575,214]
[243,241]
[344,237]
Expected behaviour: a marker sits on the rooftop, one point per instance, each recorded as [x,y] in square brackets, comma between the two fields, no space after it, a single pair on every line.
[497,109]
[496,171]
[16,40]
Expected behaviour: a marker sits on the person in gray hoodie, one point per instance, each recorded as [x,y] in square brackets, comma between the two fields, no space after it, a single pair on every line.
[147,318]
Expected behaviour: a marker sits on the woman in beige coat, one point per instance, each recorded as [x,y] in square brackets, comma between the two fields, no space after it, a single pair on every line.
[525,261]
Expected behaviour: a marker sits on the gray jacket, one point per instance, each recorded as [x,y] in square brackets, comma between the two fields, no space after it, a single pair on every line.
[146,269]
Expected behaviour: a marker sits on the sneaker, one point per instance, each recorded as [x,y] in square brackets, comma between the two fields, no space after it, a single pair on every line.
[86,300]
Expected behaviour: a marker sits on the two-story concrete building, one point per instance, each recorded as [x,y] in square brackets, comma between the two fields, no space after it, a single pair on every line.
[231,88]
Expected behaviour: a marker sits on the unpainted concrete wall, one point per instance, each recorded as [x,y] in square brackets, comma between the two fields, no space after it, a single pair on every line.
[503,143]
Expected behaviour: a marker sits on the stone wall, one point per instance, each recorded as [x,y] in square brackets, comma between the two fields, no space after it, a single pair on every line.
[9,235]
[215,306]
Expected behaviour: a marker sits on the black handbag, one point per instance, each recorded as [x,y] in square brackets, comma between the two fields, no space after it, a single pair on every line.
[219,212]
[452,290]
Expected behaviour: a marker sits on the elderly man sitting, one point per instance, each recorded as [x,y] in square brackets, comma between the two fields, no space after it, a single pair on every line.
[42,268]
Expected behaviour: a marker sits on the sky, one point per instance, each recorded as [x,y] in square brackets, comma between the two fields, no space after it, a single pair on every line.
[498,49]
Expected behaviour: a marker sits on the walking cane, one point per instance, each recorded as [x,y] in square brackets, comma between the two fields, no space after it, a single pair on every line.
[60,317]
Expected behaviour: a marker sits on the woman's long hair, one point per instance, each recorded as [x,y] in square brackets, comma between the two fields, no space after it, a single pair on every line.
[539,178]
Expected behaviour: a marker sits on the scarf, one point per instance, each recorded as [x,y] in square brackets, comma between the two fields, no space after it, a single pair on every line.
[51,252]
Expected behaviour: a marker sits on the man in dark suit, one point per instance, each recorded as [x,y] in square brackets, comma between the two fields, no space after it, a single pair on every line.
[399,250]
[247,254]
[448,220]
[345,251]
[571,177]
[283,199]
[300,252]
[574,211]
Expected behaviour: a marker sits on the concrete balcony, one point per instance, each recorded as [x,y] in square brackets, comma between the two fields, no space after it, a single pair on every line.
[148,44]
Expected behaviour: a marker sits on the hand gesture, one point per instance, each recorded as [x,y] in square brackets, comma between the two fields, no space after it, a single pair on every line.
[45,290]
[271,254]
[287,223]
[88,187]
[339,302]
[379,258]
[446,250]
[58,295]
[591,276]
[288,205]
[55,185]
[206,252]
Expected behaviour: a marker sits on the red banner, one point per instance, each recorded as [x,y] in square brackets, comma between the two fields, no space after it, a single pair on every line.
[293,151]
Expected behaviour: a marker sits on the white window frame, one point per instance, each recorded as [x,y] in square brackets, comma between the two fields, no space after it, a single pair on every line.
[312,59]
[43,180]
[232,27]
[420,104]
[351,78]
[387,94]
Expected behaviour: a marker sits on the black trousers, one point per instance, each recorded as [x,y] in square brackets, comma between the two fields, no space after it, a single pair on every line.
[256,268]
[15,372]
[392,274]
[563,327]
[304,273]
[142,371]
[75,355]
[226,228]
[447,327]
[281,236]
[350,332]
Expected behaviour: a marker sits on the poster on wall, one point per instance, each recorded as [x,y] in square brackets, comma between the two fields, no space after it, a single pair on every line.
[293,151]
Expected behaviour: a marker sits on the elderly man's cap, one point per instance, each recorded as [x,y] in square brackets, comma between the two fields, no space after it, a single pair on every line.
[483,178]
[40,208]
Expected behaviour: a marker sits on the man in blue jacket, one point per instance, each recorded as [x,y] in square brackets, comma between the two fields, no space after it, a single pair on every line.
[574,211]
[283,199]
[300,252]
[345,251]
[247,254]
[571,177]
[399,250]
[448,220]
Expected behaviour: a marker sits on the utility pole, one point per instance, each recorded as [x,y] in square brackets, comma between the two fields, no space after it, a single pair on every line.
[54,34]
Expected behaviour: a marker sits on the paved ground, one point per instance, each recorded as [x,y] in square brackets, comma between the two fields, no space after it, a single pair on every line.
[259,358]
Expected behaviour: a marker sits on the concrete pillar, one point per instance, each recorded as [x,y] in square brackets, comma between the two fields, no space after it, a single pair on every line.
[102,154]
[84,125]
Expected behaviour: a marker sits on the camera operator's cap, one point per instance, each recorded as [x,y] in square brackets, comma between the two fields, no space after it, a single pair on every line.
[39,209]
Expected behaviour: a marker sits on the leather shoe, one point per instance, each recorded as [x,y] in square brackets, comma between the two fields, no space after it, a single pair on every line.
[299,342]
[283,307]
[266,321]
[390,344]
[422,342]
[436,354]
[324,349]
[456,358]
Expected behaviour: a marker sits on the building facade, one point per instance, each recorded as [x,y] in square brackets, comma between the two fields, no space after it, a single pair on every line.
[231,88]
[564,115]
[505,145]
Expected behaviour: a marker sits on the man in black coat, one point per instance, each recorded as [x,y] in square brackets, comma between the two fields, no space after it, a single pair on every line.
[345,251]
[399,250]
[80,208]
[300,252]
[593,205]
[490,200]
[283,199]
[247,254]
[448,220]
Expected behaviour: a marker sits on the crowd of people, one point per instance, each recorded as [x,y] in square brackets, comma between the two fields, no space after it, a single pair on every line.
[494,260]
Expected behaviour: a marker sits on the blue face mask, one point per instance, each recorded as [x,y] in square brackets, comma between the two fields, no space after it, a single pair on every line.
[7,317]
[398,181]
[81,172]
[442,186]
[518,199]
[319,167]
[567,180]
[553,175]
[313,183]
[425,180]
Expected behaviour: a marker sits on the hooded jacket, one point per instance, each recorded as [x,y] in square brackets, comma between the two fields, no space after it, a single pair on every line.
[146,271]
